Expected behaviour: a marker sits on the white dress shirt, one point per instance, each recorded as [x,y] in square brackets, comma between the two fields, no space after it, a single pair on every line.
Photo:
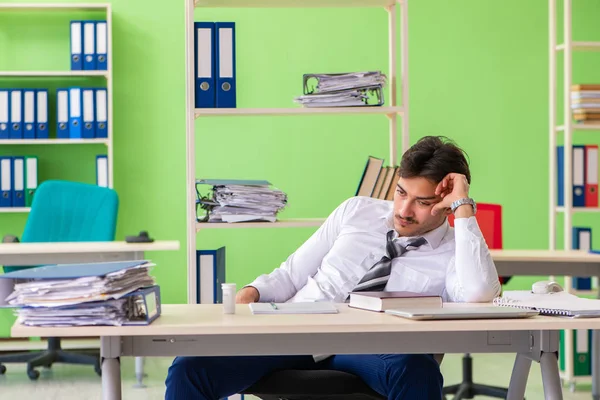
[454,263]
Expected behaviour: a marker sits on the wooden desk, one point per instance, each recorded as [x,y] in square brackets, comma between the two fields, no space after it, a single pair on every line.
[203,330]
[554,262]
[16,254]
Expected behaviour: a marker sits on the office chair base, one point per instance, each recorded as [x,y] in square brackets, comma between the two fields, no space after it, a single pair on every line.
[468,390]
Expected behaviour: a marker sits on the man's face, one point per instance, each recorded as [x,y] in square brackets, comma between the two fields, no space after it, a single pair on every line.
[413,201]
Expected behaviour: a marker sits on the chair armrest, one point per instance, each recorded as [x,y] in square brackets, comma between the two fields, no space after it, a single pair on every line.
[10,239]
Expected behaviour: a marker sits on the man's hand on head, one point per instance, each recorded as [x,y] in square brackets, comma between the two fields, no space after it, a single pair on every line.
[453,187]
[247,295]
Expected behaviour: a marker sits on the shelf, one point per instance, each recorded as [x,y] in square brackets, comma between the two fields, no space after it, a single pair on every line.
[585,46]
[580,127]
[51,74]
[286,223]
[232,112]
[52,141]
[292,3]
[54,6]
[580,209]
[15,209]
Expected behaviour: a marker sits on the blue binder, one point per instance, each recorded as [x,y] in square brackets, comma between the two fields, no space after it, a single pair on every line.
[88,111]
[582,240]
[4,113]
[16,114]
[210,273]
[18,172]
[41,111]
[29,114]
[101,45]
[101,116]
[6,182]
[579,177]
[75,120]
[204,64]
[225,65]
[62,113]
[89,45]
[76,45]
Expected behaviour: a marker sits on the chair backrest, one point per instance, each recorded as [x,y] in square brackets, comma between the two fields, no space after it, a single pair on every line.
[489,219]
[64,211]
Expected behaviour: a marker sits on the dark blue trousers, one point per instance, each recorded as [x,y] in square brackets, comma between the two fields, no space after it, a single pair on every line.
[397,376]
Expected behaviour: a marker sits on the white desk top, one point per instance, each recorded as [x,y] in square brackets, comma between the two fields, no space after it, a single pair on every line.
[85,247]
[545,255]
[208,319]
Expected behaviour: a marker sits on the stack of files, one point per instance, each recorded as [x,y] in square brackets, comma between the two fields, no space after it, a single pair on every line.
[23,113]
[557,303]
[214,65]
[585,103]
[584,175]
[81,113]
[343,90]
[114,293]
[18,180]
[89,45]
[242,201]
[377,181]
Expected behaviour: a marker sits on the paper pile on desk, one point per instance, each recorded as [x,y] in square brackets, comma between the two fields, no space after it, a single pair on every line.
[343,90]
[78,294]
[243,201]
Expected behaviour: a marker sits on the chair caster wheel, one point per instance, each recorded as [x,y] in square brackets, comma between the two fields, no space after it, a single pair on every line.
[2,369]
[33,374]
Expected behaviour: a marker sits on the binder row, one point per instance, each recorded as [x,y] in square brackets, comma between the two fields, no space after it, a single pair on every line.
[23,113]
[89,45]
[18,180]
[214,65]
[82,113]
[584,175]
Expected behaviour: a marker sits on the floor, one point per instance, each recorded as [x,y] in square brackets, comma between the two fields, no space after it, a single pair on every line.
[66,382]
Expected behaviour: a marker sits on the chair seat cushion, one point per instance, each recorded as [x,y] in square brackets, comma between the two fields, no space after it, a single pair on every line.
[312,385]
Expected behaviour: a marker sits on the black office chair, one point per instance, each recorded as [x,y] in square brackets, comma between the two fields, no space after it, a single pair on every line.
[315,385]
[312,385]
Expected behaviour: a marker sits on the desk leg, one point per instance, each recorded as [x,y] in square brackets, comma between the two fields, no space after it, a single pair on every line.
[518,378]
[550,376]
[110,351]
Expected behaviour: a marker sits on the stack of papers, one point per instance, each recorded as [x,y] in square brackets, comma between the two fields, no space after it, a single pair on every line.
[343,90]
[243,201]
[78,294]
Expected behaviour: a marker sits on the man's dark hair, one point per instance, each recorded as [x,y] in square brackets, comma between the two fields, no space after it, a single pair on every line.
[434,157]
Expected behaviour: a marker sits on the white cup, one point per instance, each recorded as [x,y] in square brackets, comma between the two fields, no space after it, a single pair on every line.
[229,290]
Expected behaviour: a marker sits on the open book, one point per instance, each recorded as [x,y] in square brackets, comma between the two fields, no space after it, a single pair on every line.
[558,303]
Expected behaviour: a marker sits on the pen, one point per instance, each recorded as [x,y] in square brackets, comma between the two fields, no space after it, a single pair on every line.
[274,306]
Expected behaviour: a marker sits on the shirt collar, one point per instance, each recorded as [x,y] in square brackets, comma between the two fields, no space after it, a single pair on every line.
[434,237]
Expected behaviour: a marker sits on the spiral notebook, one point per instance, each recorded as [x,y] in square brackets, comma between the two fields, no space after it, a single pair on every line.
[558,303]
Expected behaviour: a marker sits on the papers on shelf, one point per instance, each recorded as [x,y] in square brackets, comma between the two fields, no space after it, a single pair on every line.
[241,201]
[343,90]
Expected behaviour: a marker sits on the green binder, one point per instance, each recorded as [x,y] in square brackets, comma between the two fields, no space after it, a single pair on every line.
[31,179]
[581,353]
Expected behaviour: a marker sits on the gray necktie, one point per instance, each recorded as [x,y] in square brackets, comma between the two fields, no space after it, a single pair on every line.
[379,274]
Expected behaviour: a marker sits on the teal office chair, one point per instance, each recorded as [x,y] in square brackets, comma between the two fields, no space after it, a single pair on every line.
[64,211]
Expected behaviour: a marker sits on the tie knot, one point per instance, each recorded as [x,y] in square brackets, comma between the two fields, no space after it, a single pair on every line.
[396,250]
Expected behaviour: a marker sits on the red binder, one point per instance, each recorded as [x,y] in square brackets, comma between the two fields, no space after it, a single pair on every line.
[591,175]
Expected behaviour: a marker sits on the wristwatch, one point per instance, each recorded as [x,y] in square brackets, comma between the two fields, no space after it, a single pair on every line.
[460,202]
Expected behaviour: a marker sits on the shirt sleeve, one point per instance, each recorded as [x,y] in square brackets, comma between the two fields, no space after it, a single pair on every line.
[472,275]
[283,283]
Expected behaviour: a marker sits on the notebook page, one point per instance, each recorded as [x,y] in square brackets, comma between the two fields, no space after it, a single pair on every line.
[559,301]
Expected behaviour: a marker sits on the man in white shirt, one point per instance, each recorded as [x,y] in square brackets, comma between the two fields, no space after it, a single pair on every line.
[370,244]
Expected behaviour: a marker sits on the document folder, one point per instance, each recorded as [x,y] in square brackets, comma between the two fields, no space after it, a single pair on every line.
[204,64]
[89,45]
[101,46]
[16,114]
[18,199]
[101,106]
[31,180]
[4,112]
[29,114]
[89,124]
[225,65]
[75,120]
[62,114]
[41,110]
[76,46]
[6,182]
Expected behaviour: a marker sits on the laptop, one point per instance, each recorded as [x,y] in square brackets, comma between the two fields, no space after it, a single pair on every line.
[461,313]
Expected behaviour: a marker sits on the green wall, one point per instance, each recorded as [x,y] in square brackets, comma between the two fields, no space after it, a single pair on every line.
[478,74]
